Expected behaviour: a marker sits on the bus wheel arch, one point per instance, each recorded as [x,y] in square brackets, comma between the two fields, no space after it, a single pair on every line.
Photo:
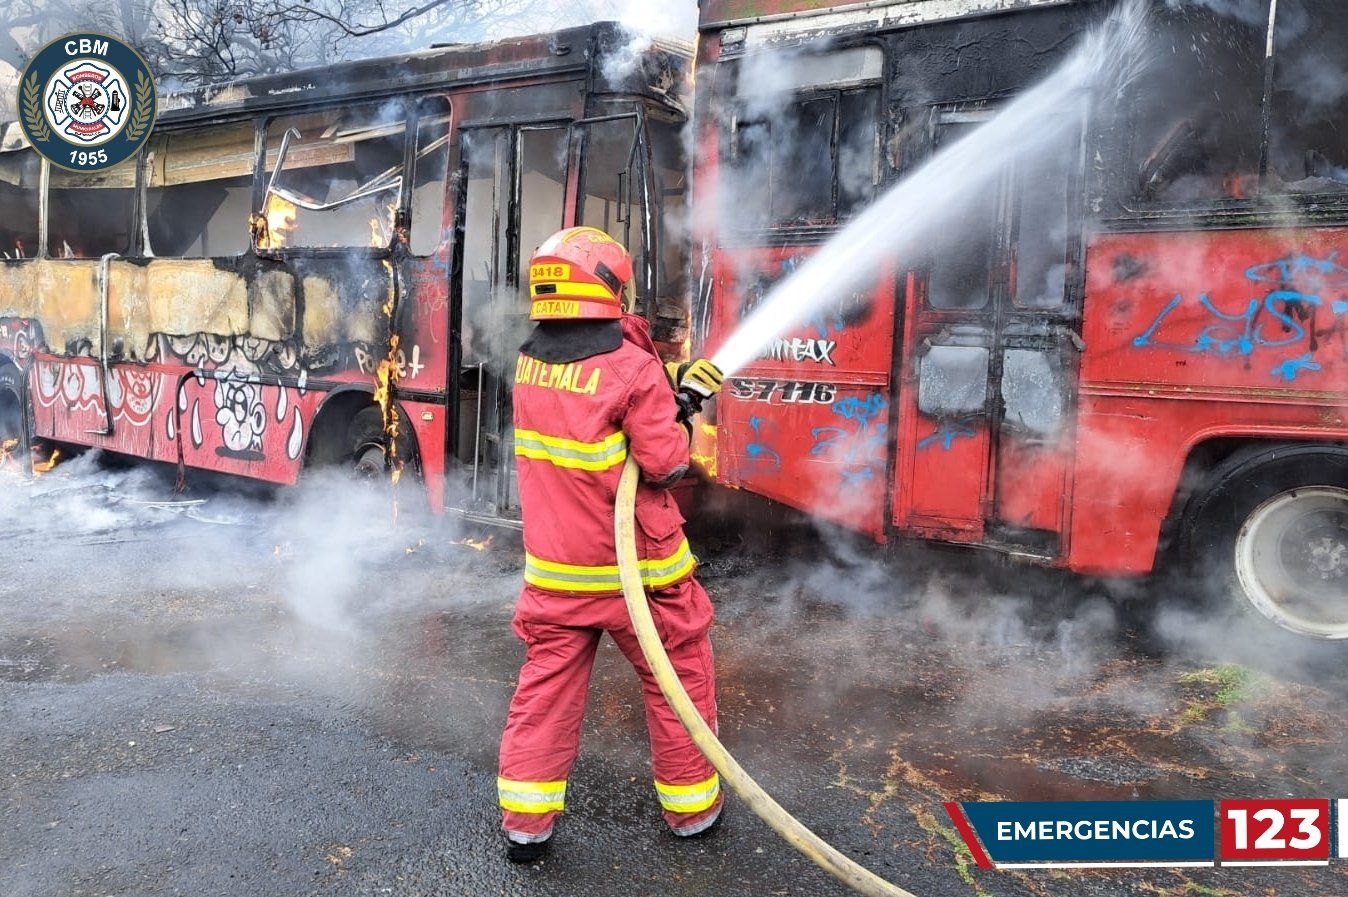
[16,426]
[1271,522]
[348,432]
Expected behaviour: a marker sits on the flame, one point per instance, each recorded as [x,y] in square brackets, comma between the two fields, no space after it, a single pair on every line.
[703,452]
[475,544]
[40,467]
[386,379]
[273,227]
[381,227]
[412,549]
[7,451]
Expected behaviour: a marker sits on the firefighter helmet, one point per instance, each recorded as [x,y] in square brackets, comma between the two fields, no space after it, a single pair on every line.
[578,274]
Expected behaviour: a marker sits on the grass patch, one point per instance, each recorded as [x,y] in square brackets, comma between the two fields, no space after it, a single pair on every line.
[964,860]
[1218,688]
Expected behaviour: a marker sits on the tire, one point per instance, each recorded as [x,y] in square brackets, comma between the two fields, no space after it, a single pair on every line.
[1273,529]
[367,445]
[14,438]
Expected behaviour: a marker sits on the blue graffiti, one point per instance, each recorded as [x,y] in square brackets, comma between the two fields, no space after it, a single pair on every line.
[946,432]
[759,450]
[1300,284]
[859,447]
[1289,369]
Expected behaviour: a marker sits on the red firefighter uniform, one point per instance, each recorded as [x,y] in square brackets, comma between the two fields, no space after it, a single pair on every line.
[576,422]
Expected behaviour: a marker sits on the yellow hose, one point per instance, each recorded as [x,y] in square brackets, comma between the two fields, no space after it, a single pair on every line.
[826,856]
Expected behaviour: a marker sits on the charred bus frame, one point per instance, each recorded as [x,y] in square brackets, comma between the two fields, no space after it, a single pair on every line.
[248,323]
[1091,423]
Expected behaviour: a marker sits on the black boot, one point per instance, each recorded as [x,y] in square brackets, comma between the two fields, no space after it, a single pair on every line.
[521,852]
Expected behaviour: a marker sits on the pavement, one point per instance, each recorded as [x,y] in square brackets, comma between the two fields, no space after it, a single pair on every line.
[216,693]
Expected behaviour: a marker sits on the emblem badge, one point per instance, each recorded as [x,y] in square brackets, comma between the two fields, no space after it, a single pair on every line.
[87,102]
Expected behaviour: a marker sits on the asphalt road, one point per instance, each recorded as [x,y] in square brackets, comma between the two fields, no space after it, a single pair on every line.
[294,695]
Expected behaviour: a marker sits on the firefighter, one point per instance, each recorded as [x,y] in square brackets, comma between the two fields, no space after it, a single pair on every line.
[590,390]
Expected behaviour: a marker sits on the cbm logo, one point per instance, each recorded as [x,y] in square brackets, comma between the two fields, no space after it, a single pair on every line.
[87,102]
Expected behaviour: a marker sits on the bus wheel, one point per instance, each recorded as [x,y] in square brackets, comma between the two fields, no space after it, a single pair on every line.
[368,444]
[13,434]
[1278,525]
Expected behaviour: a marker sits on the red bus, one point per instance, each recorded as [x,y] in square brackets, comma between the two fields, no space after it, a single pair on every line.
[323,267]
[1132,345]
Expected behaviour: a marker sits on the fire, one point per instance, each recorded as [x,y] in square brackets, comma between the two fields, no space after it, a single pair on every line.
[705,439]
[381,227]
[7,451]
[41,467]
[273,227]
[412,549]
[386,380]
[475,544]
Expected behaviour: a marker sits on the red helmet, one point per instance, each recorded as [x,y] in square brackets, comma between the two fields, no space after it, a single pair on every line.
[578,274]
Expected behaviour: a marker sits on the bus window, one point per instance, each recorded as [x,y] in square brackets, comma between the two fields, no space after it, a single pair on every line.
[19,176]
[803,148]
[611,187]
[542,174]
[1042,195]
[428,176]
[953,381]
[858,149]
[1308,136]
[963,256]
[89,214]
[198,192]
[671,239]
[339,183]
[1033,392]
[1197,131]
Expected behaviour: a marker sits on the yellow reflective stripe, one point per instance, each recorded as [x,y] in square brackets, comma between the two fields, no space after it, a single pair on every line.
[692,798]
[530,797]
[603,455]
[656,573]
[567,289]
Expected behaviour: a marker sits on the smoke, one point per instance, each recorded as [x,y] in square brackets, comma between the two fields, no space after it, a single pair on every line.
[323,571]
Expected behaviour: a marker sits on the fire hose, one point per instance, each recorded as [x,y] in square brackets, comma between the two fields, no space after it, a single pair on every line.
[823,854]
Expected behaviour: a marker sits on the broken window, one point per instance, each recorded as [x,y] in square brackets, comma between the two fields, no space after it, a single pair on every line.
[89,213]
[20,175]
[428,184]
[803,148]
[1033,392]
[199,191]
[338,185]
[1308,132]
[1197,129]
[611,186]
[953,381]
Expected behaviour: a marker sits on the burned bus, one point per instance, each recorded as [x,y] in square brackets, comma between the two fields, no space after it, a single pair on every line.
[323,267]
[1130,345]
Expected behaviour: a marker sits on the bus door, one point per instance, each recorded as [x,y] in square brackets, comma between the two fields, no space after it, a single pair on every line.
[613,189]
[989,362]
[513,183]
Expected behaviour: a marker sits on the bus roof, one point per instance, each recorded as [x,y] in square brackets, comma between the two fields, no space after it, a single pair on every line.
[714,15]
[572,51]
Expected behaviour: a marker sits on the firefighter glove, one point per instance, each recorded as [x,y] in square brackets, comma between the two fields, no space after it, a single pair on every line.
[702,378]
